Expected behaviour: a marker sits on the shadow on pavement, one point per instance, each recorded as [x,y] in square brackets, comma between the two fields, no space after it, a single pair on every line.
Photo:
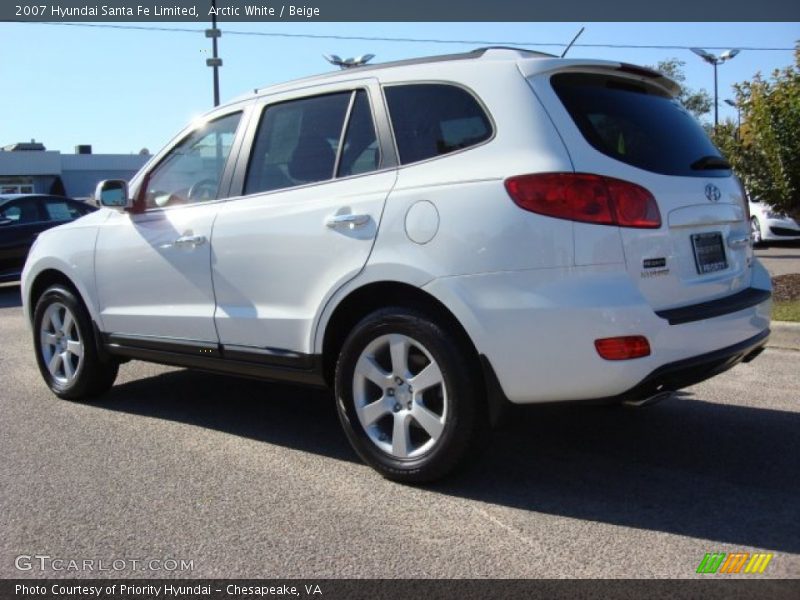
[285,415]
[726,473]
[722,472]
[10,296]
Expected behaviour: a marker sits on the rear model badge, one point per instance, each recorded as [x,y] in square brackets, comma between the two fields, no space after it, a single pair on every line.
[712,193]
[654,267]
[654,263]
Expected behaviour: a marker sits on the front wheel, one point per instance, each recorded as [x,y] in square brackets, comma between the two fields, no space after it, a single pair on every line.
[66,349]
[755,232]
[409,395]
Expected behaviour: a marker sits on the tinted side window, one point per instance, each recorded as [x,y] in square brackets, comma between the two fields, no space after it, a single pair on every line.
[192,170]
[637,124]
[434,119]
[297,143]
[61,210]
[360,153]
[22,211]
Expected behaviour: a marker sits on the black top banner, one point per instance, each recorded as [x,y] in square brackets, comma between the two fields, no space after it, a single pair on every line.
[405,10]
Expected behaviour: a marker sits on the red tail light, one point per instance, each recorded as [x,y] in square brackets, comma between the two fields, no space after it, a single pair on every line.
[623,348]
[586,198]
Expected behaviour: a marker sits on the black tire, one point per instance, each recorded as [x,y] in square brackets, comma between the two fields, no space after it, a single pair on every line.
[93,375]
[461,391]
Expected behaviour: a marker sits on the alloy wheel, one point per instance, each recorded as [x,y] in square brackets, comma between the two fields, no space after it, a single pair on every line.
[61,343]
[400,396]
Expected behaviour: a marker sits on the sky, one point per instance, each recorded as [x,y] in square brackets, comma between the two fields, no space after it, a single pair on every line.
[123,90]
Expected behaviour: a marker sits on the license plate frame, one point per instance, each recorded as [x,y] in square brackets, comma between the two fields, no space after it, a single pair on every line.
[709,252]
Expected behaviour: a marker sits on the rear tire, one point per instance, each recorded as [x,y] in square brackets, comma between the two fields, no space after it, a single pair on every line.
[66,347]
[410,395]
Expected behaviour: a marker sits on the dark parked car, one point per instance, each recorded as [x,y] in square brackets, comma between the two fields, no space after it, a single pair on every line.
[23,217]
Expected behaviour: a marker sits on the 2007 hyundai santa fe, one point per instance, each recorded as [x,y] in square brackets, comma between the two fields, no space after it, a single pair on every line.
[432,238]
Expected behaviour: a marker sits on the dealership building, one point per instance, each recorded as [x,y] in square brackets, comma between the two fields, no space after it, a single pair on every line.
[27,168]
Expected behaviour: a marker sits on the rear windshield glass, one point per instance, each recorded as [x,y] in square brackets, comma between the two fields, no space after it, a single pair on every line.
[639,125]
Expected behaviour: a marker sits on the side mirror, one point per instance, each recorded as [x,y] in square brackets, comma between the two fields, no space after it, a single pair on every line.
[113,193]
[4,221]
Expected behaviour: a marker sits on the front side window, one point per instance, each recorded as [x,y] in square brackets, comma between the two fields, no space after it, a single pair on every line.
[22,211]
[434,119]
[192,171]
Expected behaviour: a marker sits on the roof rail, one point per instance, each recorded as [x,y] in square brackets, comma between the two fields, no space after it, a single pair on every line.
[484,49]
[472,54]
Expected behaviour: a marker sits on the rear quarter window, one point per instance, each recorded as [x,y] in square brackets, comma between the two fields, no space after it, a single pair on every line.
[431,119]
[638,124]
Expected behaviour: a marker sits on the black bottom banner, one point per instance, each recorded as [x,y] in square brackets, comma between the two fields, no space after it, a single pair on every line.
[390,589]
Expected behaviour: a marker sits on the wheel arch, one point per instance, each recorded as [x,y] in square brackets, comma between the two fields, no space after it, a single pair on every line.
[46,278]
[372,296]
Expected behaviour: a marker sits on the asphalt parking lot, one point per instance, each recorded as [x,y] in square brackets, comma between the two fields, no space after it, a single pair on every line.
[781,259]
[249,479]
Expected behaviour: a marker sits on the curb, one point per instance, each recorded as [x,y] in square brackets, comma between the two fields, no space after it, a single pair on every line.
[784,335]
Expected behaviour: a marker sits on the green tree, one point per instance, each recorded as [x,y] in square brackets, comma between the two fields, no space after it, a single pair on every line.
[766,151]
[697,102]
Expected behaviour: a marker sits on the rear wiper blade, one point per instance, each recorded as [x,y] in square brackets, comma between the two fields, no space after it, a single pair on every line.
[710,162]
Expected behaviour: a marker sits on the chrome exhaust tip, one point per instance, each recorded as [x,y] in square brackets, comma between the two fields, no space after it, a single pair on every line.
[650,400]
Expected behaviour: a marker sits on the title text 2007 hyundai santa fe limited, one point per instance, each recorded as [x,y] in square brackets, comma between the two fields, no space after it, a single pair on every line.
[433,238]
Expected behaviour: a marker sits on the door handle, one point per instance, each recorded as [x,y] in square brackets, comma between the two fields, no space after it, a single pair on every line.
[190,240]
[346,221]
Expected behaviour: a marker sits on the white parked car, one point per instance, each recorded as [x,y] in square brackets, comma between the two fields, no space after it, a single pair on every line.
[431,238]
[768,225]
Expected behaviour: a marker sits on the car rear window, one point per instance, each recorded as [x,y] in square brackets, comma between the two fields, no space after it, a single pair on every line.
[62,210]
[431,119]
[638,124]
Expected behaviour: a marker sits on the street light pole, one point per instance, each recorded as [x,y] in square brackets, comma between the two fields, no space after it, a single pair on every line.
[716,95]
[215,62]
[715,61]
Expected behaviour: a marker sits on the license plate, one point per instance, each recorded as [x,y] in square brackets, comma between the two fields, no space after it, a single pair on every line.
[709,252]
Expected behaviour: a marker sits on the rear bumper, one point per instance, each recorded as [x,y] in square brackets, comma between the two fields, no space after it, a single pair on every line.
[536,329]
[715,308]
[668,378]
[689,371]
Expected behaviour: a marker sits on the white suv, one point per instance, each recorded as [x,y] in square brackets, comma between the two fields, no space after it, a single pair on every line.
[432,238]
[769,225]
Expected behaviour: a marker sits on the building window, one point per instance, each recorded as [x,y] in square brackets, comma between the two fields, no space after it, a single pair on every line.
[16,185]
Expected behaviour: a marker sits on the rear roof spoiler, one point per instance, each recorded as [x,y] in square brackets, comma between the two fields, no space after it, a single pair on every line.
[544,65]
[662,80]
